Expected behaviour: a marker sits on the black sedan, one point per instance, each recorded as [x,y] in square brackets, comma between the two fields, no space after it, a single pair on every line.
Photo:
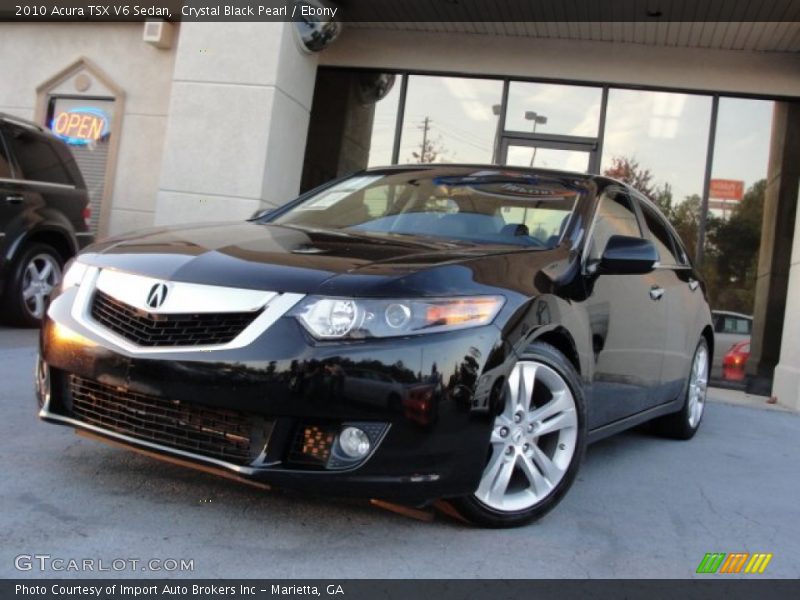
[410,333]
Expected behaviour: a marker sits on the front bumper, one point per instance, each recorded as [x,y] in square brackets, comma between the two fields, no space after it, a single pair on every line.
[429,448]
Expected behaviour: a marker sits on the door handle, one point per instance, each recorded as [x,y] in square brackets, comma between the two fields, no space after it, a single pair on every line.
[15,199]
[693,284]
[656,292]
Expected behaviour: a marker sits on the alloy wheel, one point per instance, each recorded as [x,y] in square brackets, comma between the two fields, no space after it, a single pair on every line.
[533,440]
[40,277]
[698,384]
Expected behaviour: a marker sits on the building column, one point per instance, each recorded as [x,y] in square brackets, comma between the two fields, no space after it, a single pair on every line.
[786,384]
[774,338]
[237,123]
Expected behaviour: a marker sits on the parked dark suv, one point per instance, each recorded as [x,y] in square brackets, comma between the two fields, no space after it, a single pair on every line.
[44,217]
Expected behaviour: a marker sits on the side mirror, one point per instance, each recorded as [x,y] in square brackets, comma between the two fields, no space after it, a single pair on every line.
[628,256]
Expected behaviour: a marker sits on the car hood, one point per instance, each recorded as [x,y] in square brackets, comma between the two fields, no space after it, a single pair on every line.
[285,259]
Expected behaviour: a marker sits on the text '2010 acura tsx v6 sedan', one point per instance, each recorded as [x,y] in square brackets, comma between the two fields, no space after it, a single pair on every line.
[408,333]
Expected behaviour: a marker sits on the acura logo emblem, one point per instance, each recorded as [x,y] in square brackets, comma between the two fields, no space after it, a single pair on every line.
[157,295]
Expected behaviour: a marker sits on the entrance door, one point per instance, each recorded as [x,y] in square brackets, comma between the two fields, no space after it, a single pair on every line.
[563,156]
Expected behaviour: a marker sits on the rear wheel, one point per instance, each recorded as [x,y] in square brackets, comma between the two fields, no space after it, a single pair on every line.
[683,424]
[536,444]
[34,275]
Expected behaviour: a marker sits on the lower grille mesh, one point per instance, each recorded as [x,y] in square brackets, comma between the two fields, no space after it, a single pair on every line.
[154,330]
[218,433]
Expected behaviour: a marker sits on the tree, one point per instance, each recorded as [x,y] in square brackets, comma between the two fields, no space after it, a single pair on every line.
[627,170]
[685,218]
[429,150]
[663,198]
[735,245]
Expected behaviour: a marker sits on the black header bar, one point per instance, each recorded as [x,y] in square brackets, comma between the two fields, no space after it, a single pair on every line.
[399,11]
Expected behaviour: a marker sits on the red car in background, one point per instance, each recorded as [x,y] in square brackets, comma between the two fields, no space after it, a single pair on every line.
[734,361]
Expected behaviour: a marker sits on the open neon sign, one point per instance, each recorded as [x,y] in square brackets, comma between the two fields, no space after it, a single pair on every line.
[80,126]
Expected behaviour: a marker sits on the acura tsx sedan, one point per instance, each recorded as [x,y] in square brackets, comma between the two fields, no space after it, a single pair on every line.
[410,334]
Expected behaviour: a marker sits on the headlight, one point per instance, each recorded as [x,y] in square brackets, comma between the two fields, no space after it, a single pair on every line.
[73,274]
[337,318]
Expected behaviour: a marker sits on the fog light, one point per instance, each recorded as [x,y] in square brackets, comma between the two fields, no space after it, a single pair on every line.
[317,443]
[354,442]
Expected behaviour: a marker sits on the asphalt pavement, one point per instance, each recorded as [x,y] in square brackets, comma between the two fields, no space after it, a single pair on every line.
[642,507]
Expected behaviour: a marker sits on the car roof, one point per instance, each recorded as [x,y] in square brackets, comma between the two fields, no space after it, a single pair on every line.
[484,166]
[730,313]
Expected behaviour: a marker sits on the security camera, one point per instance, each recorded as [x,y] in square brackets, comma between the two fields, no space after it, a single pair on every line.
[373,87]
[315,25]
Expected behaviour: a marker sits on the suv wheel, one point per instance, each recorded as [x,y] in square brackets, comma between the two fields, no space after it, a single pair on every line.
[34,276]
[536,445]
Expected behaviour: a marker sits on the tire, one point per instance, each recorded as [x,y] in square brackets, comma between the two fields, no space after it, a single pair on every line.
[25,297]
[683,424]
[528,472]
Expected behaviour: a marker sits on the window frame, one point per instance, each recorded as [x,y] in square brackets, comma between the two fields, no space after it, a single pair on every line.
[682,259]
[6,152]
[615,188]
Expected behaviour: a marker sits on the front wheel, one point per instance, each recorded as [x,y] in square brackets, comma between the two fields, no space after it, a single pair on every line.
[34,276]
[536,445]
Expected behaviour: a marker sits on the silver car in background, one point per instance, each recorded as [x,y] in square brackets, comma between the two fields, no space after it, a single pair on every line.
[730,328]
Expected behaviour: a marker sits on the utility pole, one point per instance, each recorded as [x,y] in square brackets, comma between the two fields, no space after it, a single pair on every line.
[425,126]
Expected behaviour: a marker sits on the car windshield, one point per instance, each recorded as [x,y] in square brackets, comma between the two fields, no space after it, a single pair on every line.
[478,207]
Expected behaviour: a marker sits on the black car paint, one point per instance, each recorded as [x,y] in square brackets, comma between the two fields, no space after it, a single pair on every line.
[550,295]
[39,210]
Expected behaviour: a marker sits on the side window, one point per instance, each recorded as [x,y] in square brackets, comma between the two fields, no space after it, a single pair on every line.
[731,324]
[743,326]
[660,236]
[683,259]
[615,216]
[36,157]
[5,163]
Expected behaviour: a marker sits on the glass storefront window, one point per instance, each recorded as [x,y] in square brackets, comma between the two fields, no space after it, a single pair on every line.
[450,119]
[741,148]
[547,158]
[384,122]
[736,202]
[665,133]
[552,108]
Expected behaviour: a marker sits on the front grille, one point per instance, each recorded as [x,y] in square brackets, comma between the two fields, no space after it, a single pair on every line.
[227,435]
[152,330]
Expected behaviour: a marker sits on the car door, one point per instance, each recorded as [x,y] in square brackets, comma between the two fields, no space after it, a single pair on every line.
[680,295]
[627,322]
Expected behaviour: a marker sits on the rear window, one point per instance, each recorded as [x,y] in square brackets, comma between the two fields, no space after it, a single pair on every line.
[36,157]
[482,207]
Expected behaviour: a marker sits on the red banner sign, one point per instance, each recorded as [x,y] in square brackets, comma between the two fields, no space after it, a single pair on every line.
[726,189]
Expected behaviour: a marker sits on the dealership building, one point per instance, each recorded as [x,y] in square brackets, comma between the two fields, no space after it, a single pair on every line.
[179,122]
